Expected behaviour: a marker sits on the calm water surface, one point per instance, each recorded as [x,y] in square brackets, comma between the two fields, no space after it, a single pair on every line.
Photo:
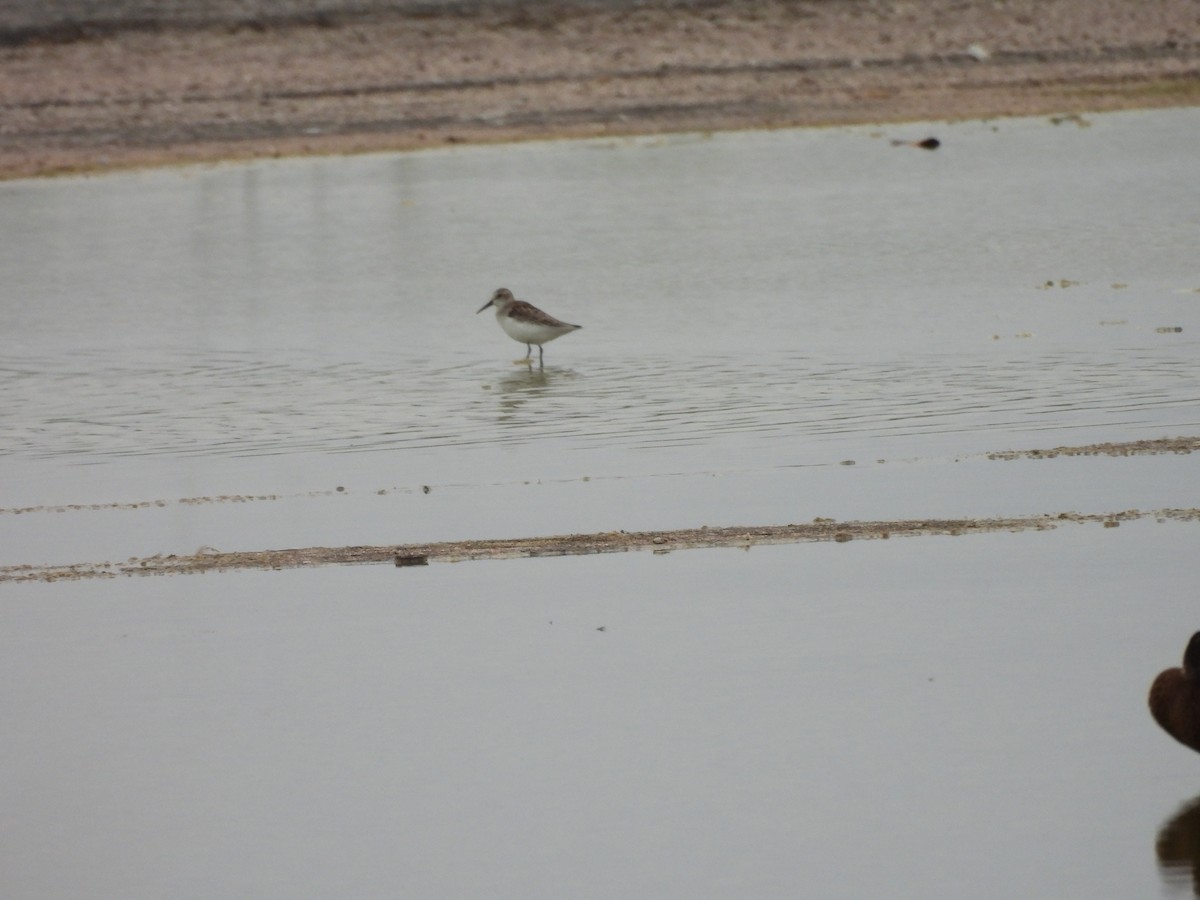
[935,717]
[777,326]
[749,300]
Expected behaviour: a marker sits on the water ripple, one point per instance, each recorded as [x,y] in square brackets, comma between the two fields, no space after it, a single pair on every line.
[232,405]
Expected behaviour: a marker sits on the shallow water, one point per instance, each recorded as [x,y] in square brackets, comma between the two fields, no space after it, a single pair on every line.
[745,298]
[777,327]
[916,717]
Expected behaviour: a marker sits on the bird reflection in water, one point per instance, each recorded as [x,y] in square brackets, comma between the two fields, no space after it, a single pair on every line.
[1178,848]
[529,384]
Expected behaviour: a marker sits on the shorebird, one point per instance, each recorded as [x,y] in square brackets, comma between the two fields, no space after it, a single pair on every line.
[525,323]
[1175,698]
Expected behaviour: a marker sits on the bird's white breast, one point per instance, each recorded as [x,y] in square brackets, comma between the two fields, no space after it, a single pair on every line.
[530,332]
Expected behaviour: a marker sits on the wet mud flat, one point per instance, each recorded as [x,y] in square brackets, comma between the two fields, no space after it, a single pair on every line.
[660,541]
[1147,447]
[745,538]
[82,89]
[1107,448]
[666,541]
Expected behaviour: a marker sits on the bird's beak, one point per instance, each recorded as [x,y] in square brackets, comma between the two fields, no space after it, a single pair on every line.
[482,308]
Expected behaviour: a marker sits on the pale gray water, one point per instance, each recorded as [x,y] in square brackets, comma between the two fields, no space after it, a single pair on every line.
[748,300]
[919,718]
[759,310]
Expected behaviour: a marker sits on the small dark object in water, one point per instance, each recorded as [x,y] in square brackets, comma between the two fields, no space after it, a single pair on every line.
[930,143]
[411,561]
[1175,698]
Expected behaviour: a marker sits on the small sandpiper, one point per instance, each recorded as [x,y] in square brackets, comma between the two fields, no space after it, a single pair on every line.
[526,323]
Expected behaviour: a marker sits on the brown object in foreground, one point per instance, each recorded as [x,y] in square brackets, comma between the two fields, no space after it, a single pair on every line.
[1175,697]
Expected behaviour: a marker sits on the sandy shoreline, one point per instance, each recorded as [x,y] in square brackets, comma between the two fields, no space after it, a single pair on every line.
[738,536]
[151,93]
[742,536]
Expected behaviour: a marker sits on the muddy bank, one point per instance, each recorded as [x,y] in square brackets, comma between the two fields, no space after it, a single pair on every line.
[1119,448]
[208,559]
[744,537]
[84,94]
[1150,447]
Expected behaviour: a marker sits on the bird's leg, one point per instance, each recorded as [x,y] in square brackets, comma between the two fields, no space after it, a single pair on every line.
[541,354]
[528,350]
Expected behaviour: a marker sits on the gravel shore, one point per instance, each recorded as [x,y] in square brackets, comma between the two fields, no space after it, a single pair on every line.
[90,86]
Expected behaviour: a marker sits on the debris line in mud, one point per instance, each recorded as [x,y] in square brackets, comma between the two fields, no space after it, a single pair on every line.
[743,537]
